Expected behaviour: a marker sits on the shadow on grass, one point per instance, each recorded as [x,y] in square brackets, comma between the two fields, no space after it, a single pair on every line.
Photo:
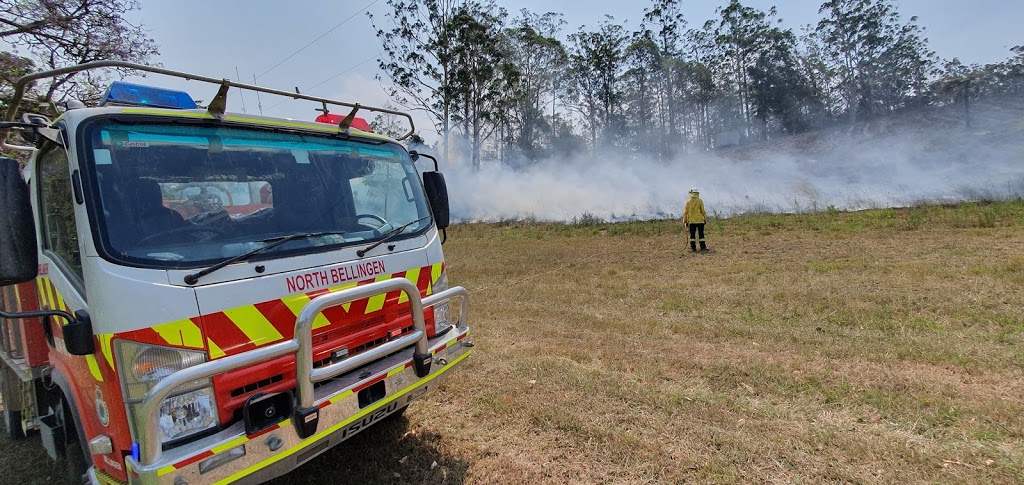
[372,456]
[388,452]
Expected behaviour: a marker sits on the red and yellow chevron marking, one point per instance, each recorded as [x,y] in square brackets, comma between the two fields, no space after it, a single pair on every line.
[51,299]
[251,326]
[248,327]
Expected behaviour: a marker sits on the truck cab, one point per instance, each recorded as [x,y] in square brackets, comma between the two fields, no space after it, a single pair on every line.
[198,296]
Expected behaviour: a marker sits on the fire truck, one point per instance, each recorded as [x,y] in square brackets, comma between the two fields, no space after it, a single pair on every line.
[192,295]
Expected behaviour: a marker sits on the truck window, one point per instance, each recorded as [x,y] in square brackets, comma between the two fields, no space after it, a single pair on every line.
[60,237]
[184,196]
[383,191]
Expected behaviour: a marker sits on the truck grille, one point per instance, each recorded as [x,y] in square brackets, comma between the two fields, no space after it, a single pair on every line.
[256,385]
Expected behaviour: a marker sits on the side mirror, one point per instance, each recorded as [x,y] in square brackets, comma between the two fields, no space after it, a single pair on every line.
[19,255]
[437,196]
[78,336]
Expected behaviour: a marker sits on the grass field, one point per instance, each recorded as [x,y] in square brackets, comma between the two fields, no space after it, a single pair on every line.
[876,346]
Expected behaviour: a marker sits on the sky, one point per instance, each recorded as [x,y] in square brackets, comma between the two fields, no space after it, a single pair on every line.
[329,48]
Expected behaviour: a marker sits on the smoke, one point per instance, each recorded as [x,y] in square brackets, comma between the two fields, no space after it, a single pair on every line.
[880,166]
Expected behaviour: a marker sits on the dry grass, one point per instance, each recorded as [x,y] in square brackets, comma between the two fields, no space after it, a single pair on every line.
[878,346]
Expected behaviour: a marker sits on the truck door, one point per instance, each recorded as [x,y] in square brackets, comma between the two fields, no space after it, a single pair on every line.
[61,284]
[62,221]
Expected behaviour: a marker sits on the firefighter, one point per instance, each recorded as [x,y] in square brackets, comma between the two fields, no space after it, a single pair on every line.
[694,218]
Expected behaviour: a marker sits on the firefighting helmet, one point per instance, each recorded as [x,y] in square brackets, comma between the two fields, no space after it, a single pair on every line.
[694,190]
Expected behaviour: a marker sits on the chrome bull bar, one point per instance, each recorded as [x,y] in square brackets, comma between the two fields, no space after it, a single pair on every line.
[301,345]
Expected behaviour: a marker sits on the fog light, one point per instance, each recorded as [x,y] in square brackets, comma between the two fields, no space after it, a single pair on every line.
[101,445]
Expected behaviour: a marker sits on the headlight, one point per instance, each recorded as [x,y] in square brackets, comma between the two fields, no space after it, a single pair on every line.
[442,311]
[442,317]
[190,409]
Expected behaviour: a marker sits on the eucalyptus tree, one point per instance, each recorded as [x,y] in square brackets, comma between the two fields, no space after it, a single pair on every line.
[482,75]
[665,25]
[740,34]
[532,46]
[418,58]
[780,93]
[597,61]
[881,63]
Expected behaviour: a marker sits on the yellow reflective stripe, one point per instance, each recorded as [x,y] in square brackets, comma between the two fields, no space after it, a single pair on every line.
[254,325]
[323,127]
[165,470]
[50,291]
[339,397]
[162,112]
[376,302]
[17,297]
[435,273]
[296,303]
[94,367]
[230,444]
[105,349]
[396,370]
[60,300]
[44,288]
[412,275]
[40,294]
[182,333]
[215,351]
[351,419]
[345,286]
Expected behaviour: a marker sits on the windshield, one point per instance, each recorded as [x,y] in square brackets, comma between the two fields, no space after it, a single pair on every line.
[183,196]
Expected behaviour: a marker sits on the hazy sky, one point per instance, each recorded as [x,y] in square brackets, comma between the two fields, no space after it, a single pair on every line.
[216,38]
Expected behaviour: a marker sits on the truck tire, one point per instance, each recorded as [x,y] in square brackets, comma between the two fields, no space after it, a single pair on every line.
[76,464]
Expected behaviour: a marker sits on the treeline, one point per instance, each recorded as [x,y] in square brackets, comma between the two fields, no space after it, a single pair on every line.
[523,88]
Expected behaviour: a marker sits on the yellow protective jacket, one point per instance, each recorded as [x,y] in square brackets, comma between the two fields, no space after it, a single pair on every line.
[694,212]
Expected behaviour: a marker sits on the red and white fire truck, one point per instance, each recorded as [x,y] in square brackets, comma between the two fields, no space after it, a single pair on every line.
[191,295]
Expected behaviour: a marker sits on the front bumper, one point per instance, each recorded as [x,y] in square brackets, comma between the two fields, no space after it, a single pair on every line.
[346,399]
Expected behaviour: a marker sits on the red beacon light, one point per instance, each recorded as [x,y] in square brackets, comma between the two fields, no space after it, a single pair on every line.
[335,119]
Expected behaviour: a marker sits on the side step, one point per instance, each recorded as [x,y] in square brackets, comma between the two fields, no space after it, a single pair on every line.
[54,439]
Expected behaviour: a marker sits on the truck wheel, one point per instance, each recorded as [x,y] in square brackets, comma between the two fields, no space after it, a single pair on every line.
[77,460]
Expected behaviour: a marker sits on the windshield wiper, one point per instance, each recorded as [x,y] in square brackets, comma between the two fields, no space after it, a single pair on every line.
[392,233]
[193,278]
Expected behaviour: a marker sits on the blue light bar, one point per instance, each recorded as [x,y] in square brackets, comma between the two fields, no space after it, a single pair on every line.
[122,93]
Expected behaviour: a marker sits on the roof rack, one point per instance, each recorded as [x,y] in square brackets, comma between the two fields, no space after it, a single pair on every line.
[216,107]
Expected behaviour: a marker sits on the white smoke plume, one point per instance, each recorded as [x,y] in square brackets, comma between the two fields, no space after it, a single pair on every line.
[837,168]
